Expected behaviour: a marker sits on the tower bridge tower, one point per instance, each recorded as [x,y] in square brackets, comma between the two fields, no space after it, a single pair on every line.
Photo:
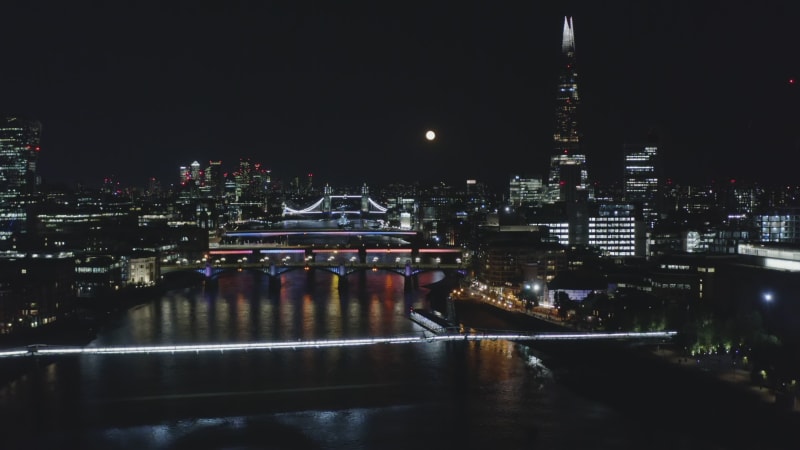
[364,199]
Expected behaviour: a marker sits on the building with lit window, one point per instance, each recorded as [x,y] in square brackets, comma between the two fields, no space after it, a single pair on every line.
[566,138]
[687,277]
[140,269]
[617,230]
[781,226]
[19,152]
[35,290]
[508,256]
[97,275]
[524,191]
[641,181]
[771,256]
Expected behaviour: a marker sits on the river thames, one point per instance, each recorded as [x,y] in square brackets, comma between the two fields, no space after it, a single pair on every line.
[467,395]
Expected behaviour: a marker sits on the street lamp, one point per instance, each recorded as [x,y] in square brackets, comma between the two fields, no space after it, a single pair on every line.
[768,298]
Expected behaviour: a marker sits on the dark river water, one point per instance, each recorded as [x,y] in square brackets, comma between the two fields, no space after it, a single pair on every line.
[477,395]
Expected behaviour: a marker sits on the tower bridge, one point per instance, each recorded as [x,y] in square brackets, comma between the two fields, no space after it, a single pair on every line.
[330,205]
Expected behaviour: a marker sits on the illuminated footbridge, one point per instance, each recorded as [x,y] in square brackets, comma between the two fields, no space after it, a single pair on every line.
[421,338]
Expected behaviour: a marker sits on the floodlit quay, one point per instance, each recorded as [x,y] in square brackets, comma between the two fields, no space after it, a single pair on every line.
[327,343]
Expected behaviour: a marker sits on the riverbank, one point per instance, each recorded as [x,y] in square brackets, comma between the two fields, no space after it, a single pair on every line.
[721,368]
[81,325]
[633,378]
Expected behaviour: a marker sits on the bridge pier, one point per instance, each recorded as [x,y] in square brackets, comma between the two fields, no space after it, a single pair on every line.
[274,283]
[451,310]
[341,277]
[410,282]
[362,255]
[274,278]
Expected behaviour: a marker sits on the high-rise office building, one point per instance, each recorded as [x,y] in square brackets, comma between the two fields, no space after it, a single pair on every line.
[641,180]
[616,230]
[19,152]
[214,178]
[525,191]
[566,138]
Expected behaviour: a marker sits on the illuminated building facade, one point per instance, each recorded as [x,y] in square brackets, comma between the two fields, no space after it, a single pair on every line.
[525,191]
[566,138]
[641,182]
[781,226]
[617,231]
[19,152]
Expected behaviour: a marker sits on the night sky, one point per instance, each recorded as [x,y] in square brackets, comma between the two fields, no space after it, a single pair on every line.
[346,89]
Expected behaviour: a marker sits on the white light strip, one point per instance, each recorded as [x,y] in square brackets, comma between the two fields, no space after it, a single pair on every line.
[325,343]
[377,206]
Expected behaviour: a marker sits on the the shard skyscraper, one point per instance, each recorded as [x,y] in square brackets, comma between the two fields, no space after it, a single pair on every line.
[568,176]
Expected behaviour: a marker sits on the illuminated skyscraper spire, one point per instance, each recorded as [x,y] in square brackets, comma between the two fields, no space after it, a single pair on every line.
[568,38]
[566,132]
[566,138]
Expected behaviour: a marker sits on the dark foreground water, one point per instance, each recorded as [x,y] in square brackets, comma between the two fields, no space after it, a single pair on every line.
[487,395]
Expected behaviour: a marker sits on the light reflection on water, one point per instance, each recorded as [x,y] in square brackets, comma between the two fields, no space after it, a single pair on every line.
[489,394]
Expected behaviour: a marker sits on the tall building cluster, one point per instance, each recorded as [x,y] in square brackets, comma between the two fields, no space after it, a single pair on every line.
[566,202]
[250,180]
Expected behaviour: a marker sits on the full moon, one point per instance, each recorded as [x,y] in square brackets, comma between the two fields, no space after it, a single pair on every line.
[430,135]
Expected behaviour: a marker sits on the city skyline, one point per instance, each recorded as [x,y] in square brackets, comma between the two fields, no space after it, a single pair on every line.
[347,91]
